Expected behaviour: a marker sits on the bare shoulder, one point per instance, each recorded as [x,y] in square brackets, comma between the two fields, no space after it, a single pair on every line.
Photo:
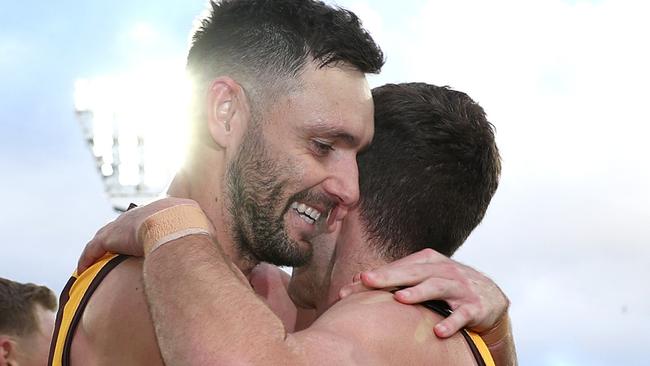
[390,333]
[266,278]
[116,326]
[270,284]
[119,297]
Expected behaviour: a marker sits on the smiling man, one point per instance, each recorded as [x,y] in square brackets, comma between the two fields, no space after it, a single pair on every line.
[297,166]
[281,107]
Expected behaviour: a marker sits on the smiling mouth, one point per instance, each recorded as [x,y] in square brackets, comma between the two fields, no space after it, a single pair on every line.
[309,214]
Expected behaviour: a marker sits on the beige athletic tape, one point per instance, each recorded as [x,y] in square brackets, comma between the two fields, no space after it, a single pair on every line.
[498,333]
[170,224]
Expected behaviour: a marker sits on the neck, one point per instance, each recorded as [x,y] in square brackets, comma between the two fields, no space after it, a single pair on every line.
[203,180]
[352,255]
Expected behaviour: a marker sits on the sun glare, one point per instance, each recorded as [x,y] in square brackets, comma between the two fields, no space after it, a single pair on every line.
[143,32]
[135,125]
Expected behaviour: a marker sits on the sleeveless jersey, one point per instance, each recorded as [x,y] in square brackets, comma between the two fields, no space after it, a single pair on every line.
[73,300]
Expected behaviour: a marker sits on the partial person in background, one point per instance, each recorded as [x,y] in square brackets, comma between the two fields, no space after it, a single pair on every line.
[26,323]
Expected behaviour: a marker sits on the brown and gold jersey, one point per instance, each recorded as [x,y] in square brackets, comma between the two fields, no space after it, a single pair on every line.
[73,300]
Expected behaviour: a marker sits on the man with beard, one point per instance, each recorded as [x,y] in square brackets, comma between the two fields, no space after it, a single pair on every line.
[426,183]
[281,109]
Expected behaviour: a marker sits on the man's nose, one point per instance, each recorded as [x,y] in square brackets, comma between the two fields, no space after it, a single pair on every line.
[343,182]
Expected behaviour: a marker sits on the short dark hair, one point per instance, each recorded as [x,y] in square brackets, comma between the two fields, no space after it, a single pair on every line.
[17,306]
[266,43]
[431,171]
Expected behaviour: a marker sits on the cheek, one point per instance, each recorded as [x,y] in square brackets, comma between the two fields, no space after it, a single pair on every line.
[296,165]
[295,170]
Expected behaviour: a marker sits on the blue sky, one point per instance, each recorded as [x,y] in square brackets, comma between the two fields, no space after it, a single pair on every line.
[565,83]
[54,198]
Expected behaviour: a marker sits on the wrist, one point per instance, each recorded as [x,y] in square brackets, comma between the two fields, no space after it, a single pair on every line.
[498,333]
[170,224]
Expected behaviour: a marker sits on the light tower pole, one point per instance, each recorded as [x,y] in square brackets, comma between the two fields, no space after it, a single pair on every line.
[134,152]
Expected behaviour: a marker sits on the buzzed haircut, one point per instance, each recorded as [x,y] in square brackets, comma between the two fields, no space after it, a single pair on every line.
[264,44]
[18,306]
[431,171]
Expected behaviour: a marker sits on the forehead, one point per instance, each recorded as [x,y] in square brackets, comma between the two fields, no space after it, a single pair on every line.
[332,101]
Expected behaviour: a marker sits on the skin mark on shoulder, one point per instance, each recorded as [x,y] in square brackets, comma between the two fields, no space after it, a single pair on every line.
[424,329]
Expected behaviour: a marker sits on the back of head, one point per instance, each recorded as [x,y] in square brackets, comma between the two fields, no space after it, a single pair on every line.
[264,44]
[18,306]
[431,170]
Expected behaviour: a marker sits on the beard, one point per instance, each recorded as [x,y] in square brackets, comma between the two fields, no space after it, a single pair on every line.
[256,185]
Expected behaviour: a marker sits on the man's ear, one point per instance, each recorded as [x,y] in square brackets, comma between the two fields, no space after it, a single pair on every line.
[227,112]
[7,351]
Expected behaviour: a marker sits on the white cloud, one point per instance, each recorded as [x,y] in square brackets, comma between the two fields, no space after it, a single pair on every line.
[144,33]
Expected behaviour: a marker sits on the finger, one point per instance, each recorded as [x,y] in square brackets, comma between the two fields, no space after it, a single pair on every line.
[431,289]
[459,319]
[356,277]
[91,253]
[351,289]
[405,275]
[427,255]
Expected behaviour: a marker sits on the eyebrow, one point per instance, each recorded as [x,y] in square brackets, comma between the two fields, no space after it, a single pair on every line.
[333,133]
[344,136]
[323,129]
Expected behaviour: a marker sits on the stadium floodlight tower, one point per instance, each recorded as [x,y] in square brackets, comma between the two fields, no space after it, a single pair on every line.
[134,128]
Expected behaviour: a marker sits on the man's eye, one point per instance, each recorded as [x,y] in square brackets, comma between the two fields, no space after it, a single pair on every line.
[321,147]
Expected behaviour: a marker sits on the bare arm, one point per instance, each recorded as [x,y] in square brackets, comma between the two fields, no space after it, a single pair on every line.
[121,236]
[200,307]
[482,302]
[205,314]
[270,284]
[501,343]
